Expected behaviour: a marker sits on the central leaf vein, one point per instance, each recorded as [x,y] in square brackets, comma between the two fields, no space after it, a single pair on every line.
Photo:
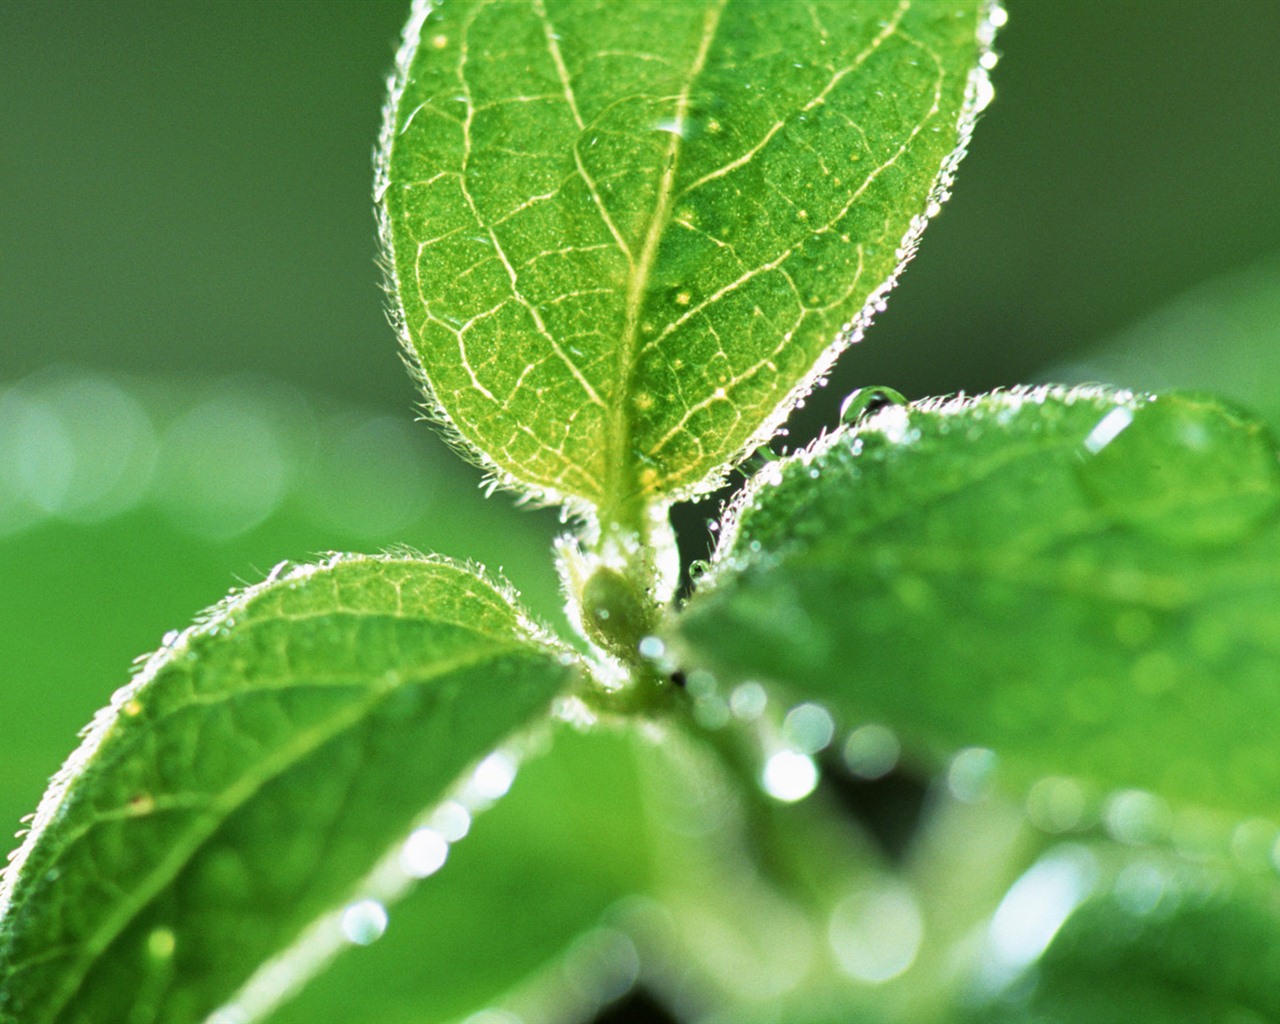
[621,485]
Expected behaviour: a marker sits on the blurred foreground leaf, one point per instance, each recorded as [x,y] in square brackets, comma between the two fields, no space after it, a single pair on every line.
[1085,582]
[250,778]
[1156,947]
[1223,336]
[567,843]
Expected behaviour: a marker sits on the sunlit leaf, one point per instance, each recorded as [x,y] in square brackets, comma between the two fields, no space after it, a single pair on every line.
[251,776]
[623,237]
[1084,582]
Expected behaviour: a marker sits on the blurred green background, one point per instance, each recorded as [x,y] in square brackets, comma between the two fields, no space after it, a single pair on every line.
[196,378]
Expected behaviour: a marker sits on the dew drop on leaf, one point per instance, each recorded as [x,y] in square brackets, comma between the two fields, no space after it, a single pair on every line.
[970,772]
[1136,817]
[876,933]
[808,728]
[1056,804]
[451,820]
[1140,888]
[789,776]
[492,778]
[871,751]
[748,701]
[423,853]
[364,922]
[651,647]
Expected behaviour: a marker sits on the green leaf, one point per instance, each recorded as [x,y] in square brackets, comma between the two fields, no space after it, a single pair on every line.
[1223,335]
[1085,582]
[624,236]
[250,777]
[1165,942]
[568,841]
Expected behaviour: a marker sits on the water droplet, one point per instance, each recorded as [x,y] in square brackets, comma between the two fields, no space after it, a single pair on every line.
[364,922]
[423,853]
[970,773]
[493,776]
[711,713]
[451,820]
[808,728]
[1140,888]
[1136,817]
[871,752]
[868,401]
[1056,804]
[1252,842]
[602,965]
[700,684]
[1108,429]
[789,776]
[983,91]
[1183,468]
[652,647]
[748,701]
[876,933]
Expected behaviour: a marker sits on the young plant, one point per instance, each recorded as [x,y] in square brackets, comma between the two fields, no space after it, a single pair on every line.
[623,242]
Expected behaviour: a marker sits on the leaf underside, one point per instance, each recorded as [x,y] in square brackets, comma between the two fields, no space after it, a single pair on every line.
[251,777]
[1085,582]
[624,236]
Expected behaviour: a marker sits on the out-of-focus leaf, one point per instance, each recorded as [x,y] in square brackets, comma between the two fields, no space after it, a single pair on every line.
[251,776]
[1085,582]
[1155,947]
[624,236]
[1223,336]
[566,843]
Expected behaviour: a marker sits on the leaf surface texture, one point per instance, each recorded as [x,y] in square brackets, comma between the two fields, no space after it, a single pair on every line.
[250,778]
[1084,582]
[624,236]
